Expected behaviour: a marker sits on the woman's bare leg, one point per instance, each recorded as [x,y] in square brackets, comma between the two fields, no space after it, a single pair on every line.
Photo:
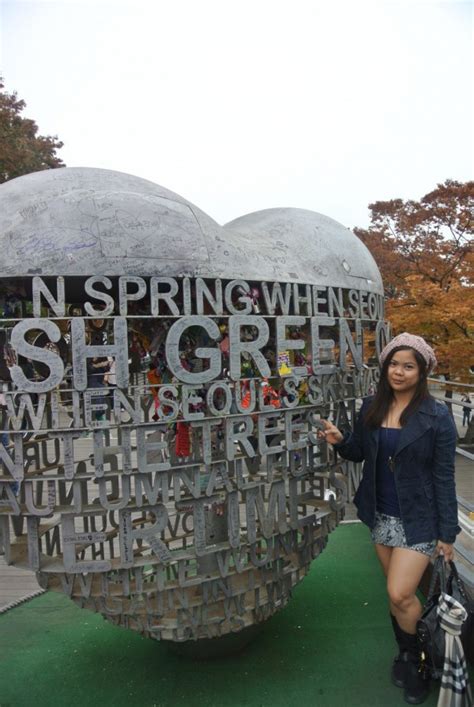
[405,571]
[384,554]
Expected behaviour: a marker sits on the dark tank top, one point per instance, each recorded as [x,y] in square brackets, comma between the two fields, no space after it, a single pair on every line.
[387,498]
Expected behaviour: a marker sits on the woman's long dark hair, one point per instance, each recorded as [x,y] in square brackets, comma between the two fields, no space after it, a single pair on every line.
[380,405]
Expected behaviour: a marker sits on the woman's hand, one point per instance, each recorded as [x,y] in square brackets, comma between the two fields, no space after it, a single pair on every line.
[330,433]
[445,549]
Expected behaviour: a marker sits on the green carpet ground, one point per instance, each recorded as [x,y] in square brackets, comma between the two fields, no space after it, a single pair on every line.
[331,647]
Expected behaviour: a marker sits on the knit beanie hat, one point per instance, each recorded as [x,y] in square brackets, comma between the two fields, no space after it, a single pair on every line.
[414,342]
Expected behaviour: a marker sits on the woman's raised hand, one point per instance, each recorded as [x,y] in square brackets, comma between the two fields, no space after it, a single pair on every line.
[330,433]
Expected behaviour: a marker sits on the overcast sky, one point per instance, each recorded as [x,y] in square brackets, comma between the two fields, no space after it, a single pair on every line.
[242,105]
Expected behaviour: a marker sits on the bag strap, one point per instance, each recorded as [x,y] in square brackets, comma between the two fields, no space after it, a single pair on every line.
[454,577]
[438,573]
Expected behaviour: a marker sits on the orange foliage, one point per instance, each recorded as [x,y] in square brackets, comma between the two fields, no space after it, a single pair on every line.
[425,253]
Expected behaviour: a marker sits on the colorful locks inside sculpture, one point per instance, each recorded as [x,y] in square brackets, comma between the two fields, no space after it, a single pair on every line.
[163,382]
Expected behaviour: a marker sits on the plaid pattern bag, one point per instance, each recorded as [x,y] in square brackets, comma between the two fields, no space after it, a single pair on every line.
[430,634]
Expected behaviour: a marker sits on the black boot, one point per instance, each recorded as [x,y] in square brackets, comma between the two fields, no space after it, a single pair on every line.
[406,667]
[417,682]
[400,664]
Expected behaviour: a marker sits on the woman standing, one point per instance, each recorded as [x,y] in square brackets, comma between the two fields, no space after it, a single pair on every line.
[407,494]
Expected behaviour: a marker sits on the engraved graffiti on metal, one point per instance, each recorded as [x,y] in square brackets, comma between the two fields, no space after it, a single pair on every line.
[159,457]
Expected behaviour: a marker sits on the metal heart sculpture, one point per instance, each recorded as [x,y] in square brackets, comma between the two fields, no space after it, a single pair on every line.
[164,379]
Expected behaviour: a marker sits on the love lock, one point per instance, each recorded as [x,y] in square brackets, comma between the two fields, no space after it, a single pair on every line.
[164,380]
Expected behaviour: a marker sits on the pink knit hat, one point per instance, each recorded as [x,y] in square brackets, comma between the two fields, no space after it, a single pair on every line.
[414,342]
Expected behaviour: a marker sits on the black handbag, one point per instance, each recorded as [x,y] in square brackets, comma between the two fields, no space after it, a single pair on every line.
[430,634]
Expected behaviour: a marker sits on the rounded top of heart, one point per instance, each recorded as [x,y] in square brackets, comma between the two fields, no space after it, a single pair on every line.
[87,221]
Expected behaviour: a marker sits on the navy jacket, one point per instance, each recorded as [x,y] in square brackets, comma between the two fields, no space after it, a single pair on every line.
[424,472]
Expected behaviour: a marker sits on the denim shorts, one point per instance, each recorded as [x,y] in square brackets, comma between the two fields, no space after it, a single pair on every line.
[388,530]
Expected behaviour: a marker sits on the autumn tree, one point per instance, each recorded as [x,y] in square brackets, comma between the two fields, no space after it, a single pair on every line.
[424,250]
[22,150]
